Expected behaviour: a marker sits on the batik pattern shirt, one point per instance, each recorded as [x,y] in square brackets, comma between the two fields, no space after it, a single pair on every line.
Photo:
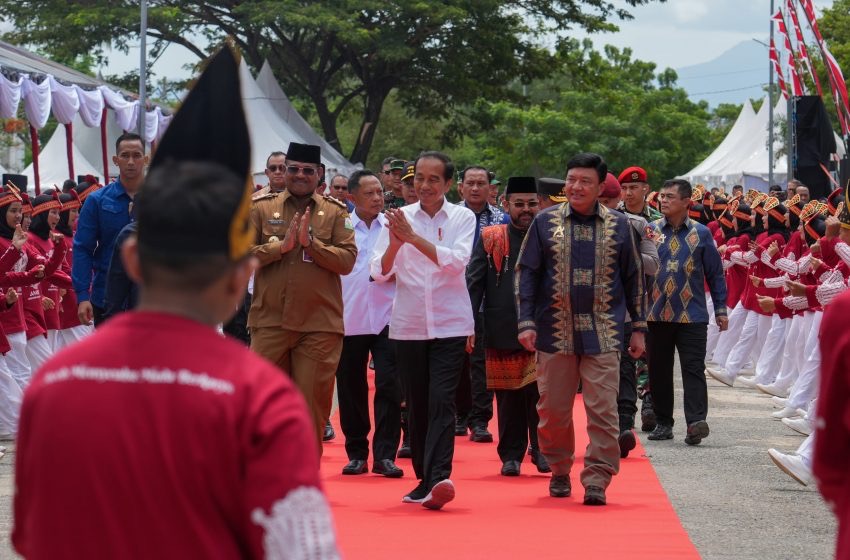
[689,259]
[576,278]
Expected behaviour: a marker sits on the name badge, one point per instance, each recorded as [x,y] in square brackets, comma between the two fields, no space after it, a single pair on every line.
[306,257]
[276,222]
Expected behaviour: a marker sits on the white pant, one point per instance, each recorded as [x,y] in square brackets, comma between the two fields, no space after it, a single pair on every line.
[729,337]
[38,351]
[792,356]
[751,341]
[54,341]
[713,330]
[11,396]
[806,387]
[807,450]
[767,367]
[17,359]
[75,334]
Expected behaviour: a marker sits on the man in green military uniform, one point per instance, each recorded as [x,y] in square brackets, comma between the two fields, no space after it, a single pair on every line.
[304,242]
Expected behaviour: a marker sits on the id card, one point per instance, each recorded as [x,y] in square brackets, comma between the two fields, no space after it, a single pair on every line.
[306,257]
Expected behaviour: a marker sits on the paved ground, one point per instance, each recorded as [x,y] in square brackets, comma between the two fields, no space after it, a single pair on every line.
[735,504]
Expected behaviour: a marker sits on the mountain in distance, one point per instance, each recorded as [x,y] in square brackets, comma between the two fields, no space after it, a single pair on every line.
[738,74]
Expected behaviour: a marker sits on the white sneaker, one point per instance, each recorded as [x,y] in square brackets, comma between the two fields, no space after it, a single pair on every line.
[442,493]
[788,412]
[773,389]
[800,425]
[722,375]
[779,402]
[793,466]
[747,381]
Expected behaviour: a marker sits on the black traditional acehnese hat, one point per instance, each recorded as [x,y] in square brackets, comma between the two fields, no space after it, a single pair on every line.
[305,153]
[521,185]
[208,128]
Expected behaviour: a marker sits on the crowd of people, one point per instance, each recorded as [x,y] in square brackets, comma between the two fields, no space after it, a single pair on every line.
[524,297]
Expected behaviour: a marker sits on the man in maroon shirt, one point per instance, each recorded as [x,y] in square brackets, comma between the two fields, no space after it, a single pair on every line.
[167,439]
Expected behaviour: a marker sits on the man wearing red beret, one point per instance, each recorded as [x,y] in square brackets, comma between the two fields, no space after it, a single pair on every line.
[635,188]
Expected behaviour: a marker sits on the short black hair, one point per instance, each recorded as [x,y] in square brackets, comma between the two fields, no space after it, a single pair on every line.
[475,168]
[774,188]
[274,154]
[183,199]
[737,187]
[129,137]
[448,166]
[589,160]
[354,180]
[682,187]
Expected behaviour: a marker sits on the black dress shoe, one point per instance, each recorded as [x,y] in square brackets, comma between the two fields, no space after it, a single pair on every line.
[510,468]
[697,431]
[460,427]
[647,414]
[539,461]
[404,451]
[387,468]
[480,435]
[559,486]
[329,433]
[661,432]
[627,442]
[594,496]
[355,466]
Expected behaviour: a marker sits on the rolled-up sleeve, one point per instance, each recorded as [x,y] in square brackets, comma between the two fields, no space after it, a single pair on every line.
[456,257]
[375,266]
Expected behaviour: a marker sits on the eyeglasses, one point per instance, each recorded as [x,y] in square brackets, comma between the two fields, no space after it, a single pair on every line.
[276,168]
[307,171]
[520,204]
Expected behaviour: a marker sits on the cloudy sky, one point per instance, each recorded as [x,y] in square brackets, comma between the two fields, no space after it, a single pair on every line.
[674,34]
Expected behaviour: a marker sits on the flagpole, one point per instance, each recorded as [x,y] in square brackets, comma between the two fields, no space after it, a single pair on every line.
[143,67]
[770,113]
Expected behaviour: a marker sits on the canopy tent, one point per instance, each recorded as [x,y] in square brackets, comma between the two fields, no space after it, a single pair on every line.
[742,157]
[46,87]
[270,132]
[276,97]
[53,163]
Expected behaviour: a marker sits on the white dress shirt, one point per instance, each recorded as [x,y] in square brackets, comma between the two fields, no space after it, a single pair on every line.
[431,300]
[366,305]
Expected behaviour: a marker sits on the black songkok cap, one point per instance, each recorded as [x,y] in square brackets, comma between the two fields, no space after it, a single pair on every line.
[305,153]
[521,185]
[208,132]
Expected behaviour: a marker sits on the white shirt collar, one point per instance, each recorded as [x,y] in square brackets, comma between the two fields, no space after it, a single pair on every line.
[355,219]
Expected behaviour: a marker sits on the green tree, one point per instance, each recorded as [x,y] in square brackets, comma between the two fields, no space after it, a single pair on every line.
[624,112]
[437,55]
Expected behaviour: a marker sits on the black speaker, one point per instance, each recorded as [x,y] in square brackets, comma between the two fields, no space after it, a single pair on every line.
[815,144]
[19,181]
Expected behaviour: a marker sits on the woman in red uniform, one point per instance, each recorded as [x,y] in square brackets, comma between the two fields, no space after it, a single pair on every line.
[70,328]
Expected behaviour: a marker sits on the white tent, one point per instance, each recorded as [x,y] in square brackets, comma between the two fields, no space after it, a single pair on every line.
[278,99]
[743,158]
[87,140]
[53,163]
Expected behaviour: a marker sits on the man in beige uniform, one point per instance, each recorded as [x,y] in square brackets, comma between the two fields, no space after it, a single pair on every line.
[304,242]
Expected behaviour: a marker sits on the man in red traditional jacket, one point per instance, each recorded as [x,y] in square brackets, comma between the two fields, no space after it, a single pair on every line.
[179,442]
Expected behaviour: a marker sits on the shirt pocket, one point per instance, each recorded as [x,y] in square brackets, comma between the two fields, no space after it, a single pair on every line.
[323,227]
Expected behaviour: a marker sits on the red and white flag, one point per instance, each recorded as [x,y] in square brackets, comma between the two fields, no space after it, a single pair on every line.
[778,69]
[802,51]
[796,84]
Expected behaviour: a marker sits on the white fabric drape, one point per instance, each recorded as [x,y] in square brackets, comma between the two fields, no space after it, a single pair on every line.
[164,121]
[37,101]
[65,101]
[10,96]
[125,111]
[91,106]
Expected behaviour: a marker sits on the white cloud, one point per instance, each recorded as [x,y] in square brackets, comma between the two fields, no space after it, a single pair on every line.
[687,11]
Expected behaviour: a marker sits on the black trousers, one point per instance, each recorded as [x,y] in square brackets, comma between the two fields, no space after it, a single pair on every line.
[517,414]
[353,394]
[627,397]
[431,369]
[689,339]
[97,314]
[474,402]
[237,327]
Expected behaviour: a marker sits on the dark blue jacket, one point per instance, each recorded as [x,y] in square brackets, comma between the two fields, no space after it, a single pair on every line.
[104,214]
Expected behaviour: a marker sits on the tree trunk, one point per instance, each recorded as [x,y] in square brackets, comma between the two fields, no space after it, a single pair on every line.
[327,120]
[371,116]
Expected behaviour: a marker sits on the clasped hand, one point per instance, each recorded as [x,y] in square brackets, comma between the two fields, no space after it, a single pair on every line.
[298,233]
[400,229]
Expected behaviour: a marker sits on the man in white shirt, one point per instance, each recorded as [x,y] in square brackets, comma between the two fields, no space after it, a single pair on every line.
[426,247]
[366,313]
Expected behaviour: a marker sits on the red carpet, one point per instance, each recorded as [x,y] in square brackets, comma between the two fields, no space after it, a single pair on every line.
[500,517]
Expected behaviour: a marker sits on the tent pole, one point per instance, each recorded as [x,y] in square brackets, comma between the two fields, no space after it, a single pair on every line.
[770,117]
